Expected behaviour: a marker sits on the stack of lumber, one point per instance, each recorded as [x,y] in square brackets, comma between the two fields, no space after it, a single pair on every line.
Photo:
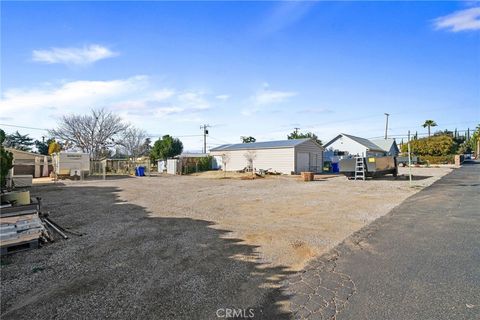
[20,225]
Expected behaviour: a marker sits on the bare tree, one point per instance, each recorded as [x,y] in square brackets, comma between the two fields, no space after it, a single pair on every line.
[93,133]
[133,142]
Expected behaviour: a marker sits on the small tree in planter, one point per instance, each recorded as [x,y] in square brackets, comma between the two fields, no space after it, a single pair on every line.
[6,160]
[225,159]
[250,156]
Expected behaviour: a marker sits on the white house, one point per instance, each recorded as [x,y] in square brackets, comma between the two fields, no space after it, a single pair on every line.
[345,145]
[285,156]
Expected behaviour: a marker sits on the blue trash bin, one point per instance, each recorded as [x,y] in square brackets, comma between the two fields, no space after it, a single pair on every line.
[335,168]
[141,171]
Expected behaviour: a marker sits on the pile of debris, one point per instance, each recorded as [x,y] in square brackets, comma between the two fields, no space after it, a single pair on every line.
[22,224]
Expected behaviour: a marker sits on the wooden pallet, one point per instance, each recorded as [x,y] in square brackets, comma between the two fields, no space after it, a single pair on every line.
[19,246]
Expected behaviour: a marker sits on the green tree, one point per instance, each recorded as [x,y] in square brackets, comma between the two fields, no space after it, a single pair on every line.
[428,124]
[6,160]
[19,141]
[248,139]
[146,148]
[299,135]
[166,147]
[42,147]
[471,144]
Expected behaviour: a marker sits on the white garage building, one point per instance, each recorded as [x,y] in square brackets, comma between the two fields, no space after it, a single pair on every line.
[285,156]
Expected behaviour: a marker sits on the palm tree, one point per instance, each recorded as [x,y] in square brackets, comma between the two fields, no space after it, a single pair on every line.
[429,123]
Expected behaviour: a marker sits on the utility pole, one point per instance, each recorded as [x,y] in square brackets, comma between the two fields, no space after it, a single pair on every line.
[386,126]
[295,133]
[205,132]
[409,160]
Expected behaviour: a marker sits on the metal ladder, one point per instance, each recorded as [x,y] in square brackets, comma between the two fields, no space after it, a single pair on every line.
[359,168]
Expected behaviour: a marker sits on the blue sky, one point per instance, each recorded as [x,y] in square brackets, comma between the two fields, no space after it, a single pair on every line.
[246,68]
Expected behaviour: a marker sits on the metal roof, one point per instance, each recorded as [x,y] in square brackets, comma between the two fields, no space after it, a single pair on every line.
[385,144]
[192,155]
[260,145]
[364,142]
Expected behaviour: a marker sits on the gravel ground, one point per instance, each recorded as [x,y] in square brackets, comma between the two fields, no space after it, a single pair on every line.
[183,247]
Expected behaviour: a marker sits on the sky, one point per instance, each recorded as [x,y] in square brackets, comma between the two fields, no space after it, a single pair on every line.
[256,69]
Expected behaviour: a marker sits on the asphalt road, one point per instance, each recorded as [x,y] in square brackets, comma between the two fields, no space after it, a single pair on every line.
[421,261]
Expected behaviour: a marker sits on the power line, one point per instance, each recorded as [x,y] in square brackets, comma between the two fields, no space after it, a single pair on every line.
[220,140]
[22,127]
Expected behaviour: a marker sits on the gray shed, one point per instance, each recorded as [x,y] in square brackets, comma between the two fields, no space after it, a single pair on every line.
[388,145]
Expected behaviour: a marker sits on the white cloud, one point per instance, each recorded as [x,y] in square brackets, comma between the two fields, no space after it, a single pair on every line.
[315,111]
[194,100]
[270,97]
[163,94]
[131,97]
[222,97]
[77,56]
[266,97]
[463,20]
[162,112]
[70,95]
[285,14]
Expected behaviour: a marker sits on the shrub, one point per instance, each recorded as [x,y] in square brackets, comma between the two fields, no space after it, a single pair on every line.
[197,165]
[441,145]
[448,159]
[6,160]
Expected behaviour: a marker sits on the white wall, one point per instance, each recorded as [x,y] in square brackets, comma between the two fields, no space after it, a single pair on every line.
[346,144]
[162,165]
[280,160]
[173,166]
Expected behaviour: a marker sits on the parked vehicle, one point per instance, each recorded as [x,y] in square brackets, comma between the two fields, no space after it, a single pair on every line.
[403,161]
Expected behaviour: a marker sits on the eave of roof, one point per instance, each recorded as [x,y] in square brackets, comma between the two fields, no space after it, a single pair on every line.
[260,145]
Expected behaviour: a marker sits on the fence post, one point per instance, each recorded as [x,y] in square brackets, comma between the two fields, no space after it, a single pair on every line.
[104,169]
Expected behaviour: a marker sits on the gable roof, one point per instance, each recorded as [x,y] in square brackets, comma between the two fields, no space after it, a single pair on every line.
[385,144]
[261,145]
[364,142]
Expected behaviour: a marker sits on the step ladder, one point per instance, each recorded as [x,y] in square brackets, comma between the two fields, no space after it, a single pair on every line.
[359,168]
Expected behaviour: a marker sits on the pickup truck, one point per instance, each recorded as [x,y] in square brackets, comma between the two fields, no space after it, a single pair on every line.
[403,161]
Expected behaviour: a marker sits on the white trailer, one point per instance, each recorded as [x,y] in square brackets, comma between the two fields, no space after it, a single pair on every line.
[71,163]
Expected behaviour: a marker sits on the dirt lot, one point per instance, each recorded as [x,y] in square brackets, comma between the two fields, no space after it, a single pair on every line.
[290,220]
[184,246]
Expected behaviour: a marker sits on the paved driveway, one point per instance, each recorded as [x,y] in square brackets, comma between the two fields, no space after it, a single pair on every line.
[421,261]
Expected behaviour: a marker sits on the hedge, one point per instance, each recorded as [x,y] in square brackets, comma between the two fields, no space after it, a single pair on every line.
[433,146]
[449,159]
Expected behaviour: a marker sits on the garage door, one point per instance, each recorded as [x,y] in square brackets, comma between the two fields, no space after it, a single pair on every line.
[303,162]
